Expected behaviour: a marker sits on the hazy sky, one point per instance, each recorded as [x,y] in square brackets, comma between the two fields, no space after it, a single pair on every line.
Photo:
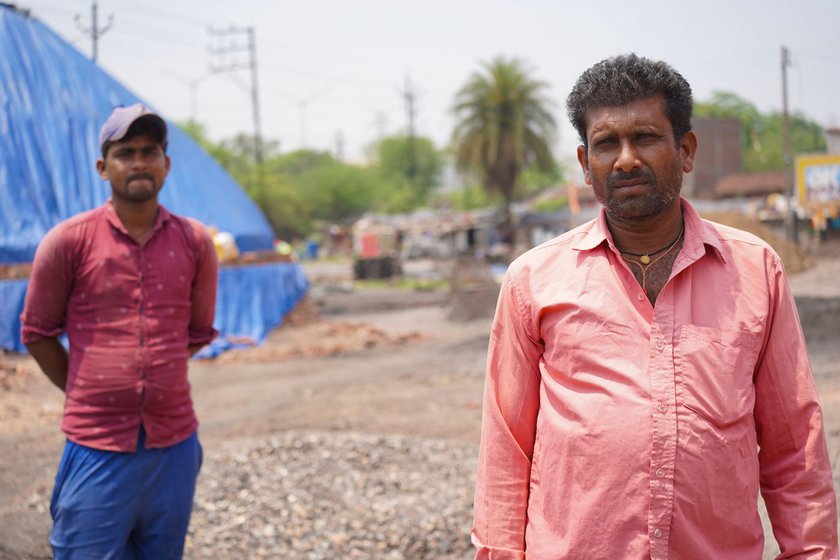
[330,68]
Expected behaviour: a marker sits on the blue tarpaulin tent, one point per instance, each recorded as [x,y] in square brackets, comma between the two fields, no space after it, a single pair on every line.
[53,101]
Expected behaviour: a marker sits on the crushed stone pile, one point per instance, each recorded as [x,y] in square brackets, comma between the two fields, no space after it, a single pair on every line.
[319,496]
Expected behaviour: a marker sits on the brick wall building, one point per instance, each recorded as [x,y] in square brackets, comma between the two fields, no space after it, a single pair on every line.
[718,154]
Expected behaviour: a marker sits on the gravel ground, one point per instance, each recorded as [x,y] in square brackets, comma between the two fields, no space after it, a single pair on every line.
[320,496]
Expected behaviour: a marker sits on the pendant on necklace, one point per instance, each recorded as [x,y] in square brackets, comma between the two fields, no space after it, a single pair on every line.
[644,259]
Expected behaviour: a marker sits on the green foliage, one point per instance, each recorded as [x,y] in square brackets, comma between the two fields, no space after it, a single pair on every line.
[552,204]
[337,192]
[299,189]
[298,162]
[503,126]
[472,197]
[412,165]
[762,138]
[534,181]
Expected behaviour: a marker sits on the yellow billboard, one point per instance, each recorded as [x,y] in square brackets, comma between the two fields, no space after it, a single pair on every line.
[818,180]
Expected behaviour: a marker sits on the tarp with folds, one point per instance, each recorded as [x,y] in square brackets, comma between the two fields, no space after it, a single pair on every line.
[53,101]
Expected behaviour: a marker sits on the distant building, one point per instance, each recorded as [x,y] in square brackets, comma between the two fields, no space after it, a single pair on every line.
[832,140]
[719,154]
[751,184]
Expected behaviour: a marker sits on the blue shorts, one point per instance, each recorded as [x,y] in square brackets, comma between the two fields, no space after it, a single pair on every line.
[121,506]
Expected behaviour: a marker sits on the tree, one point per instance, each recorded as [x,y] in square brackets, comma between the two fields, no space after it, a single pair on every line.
[761,134]
[503,126]
[413,165]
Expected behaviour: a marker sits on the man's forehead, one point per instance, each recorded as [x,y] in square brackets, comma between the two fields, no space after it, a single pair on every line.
[650,111]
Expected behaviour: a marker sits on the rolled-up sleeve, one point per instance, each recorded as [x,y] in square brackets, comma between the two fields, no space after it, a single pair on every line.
[508,432]
[796,478]
[50,283]
[205,282]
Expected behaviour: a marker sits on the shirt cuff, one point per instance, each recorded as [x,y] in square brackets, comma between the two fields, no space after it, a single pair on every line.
[31,332]
[204,336]
[484,552]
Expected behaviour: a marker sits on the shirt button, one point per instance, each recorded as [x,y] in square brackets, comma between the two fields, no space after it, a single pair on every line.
[657,533]
[640,296]
[663,408]
[660,345]
[660,473]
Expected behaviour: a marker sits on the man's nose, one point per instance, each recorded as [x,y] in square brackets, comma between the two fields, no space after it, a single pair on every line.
[627,159]
[138,161]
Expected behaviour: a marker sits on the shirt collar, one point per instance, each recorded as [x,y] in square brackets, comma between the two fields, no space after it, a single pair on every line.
[113,219]
[698,234]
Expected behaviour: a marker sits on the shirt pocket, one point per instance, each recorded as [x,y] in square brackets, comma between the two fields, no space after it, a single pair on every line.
[715,369]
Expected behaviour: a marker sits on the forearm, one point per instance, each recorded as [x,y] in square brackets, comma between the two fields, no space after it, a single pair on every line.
[52,358]
[194,348]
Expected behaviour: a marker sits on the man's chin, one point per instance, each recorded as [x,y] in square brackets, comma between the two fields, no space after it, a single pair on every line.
[633,209]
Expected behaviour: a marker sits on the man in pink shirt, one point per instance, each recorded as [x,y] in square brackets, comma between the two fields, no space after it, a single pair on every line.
[647,375]
[134,288]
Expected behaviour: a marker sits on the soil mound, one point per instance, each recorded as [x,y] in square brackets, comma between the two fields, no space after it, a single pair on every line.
[794,258]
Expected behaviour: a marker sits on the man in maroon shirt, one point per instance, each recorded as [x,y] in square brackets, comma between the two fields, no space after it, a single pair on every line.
[134,288]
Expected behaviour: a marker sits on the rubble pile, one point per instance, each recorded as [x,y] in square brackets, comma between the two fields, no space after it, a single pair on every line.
[314,339]
[334,495]
[792,255]
[14,375]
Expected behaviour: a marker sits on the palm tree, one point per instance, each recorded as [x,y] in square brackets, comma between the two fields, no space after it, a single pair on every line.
[503,126]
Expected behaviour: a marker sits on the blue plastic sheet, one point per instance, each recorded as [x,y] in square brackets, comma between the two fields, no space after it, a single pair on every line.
[12,293]
[251,301]
[53,101]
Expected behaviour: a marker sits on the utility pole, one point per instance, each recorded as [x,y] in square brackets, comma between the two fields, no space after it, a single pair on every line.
[192,83]
[94,30]
[339,145]
[410,99]
[790,217]
[222,51]
[302,103]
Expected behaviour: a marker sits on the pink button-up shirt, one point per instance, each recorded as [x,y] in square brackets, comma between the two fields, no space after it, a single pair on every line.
[130,313]
[616,429]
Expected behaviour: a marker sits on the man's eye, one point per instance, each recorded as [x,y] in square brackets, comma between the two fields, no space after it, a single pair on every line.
[605,142]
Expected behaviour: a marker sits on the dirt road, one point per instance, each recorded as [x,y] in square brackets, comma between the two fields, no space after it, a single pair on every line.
[412,372]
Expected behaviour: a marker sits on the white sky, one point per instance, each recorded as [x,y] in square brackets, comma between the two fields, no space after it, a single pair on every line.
[329,67]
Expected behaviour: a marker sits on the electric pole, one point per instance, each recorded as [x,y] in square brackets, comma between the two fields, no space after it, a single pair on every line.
[410,98]
[790,217]
[227,45]
[94,30]
[339,145]
[302,103]
[192,83]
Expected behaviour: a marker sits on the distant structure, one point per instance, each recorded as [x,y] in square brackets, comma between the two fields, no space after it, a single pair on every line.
[832,140]
[718,155]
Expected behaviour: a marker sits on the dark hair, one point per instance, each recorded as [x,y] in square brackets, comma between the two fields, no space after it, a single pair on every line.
[622,79]
[139,127]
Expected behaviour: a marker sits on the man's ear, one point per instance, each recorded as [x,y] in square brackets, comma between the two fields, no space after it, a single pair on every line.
[688,150]
[584,164]
[100,168]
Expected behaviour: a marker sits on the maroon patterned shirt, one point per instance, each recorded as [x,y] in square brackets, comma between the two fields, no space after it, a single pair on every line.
[130,313]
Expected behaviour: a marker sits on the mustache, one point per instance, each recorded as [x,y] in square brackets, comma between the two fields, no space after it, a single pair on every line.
[620,176]
[140,175]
